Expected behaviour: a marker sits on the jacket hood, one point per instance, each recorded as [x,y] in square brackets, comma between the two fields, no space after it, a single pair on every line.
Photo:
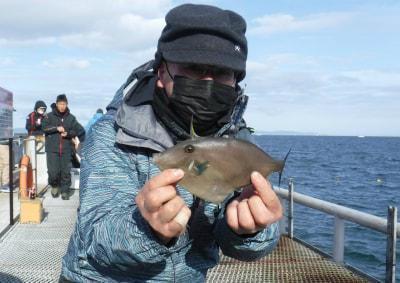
[136,120]
[39,104]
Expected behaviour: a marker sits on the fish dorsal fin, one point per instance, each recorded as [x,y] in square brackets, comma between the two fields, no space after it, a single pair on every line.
[193,134]
[284,162]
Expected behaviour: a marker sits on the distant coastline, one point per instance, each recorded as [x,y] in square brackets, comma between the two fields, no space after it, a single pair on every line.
[285,133]
[18,131]
[294,133]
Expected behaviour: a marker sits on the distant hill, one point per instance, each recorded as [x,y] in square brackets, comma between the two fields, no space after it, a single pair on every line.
[285,133]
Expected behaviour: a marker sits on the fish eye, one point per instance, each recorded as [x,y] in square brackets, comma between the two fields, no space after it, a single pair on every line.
[189,148]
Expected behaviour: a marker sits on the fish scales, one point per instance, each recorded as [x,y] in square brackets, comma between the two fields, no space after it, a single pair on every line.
[215,167]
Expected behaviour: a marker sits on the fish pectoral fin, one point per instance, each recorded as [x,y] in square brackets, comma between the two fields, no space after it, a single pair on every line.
[190,167]
[200,167]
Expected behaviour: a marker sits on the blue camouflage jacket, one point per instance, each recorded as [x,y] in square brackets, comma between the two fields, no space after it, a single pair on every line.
[112,242]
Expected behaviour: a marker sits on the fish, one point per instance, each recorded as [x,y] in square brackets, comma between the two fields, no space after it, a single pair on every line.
[217,166]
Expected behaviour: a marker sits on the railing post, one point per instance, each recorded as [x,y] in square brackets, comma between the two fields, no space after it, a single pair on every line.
[283,221]
[35,169]
[338,245]
[11,179]
[290,209]
[391,245]
[21,141]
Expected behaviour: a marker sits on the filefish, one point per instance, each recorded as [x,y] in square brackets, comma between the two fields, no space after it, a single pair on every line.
[215,167]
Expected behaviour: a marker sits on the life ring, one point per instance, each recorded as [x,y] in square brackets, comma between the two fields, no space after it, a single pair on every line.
[26,178]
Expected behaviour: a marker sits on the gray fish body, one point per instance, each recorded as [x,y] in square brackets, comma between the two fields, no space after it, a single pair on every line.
[215,167]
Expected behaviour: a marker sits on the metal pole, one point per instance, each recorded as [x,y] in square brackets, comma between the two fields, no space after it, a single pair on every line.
[35,172]
[290,212]
[11,179]
[348,214]
[21,140]
[391,245]
[338,245]
[283,221]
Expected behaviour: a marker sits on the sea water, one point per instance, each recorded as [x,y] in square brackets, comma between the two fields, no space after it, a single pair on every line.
[359,173]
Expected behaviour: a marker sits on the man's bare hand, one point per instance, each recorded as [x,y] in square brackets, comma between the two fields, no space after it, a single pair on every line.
[162,207]
[64,134]
[60,129]
[257,207]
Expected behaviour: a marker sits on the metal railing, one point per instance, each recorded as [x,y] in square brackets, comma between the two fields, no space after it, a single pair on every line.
[12,161]
[388,226]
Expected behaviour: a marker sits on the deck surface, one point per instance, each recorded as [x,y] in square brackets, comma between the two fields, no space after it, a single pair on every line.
[290,262]
[33,252]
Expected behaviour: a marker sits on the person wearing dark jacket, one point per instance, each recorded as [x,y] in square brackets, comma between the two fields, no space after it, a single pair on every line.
[35,118]
[135,223]
[60,127]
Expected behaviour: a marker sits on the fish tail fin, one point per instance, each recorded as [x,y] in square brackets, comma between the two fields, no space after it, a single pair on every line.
[283,166]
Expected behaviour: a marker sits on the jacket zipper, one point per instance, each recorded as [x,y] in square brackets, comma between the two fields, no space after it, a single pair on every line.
[61,139]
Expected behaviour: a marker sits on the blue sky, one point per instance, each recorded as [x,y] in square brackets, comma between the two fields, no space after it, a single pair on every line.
[326,67]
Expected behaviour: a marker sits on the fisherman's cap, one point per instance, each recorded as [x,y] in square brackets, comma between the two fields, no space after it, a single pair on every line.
[203,34]
[62,97]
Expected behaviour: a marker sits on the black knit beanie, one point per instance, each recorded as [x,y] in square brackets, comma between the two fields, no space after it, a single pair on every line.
[62,97]
[203,34]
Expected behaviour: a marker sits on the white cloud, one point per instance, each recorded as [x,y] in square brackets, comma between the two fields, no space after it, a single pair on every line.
[287,77]
[282,61]
[67,63]
[129,33]
[340,103]
[278,23]
[6,61]
[126,25]
[304,82]
[12,42]
[375,78]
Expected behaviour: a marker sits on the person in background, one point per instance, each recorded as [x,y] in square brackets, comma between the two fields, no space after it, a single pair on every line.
[135,224]
[96,116]
[60,127]
[53,106]
[35,118]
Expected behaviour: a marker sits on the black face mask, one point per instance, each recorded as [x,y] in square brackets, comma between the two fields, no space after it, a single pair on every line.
[209,103]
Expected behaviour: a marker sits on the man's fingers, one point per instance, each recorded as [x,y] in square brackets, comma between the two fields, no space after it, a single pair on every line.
[156,197]
[166,177]
[232,215]
[245,218]
[182,217]
[261,214]
[265,191]
[160,189]
[171,209]
[255,209]
[176,226]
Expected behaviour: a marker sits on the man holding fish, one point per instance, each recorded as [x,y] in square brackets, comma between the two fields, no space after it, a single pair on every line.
[156,203]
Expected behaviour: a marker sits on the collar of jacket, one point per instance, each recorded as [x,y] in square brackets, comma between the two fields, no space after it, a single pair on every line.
[61,115]
[137,123]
